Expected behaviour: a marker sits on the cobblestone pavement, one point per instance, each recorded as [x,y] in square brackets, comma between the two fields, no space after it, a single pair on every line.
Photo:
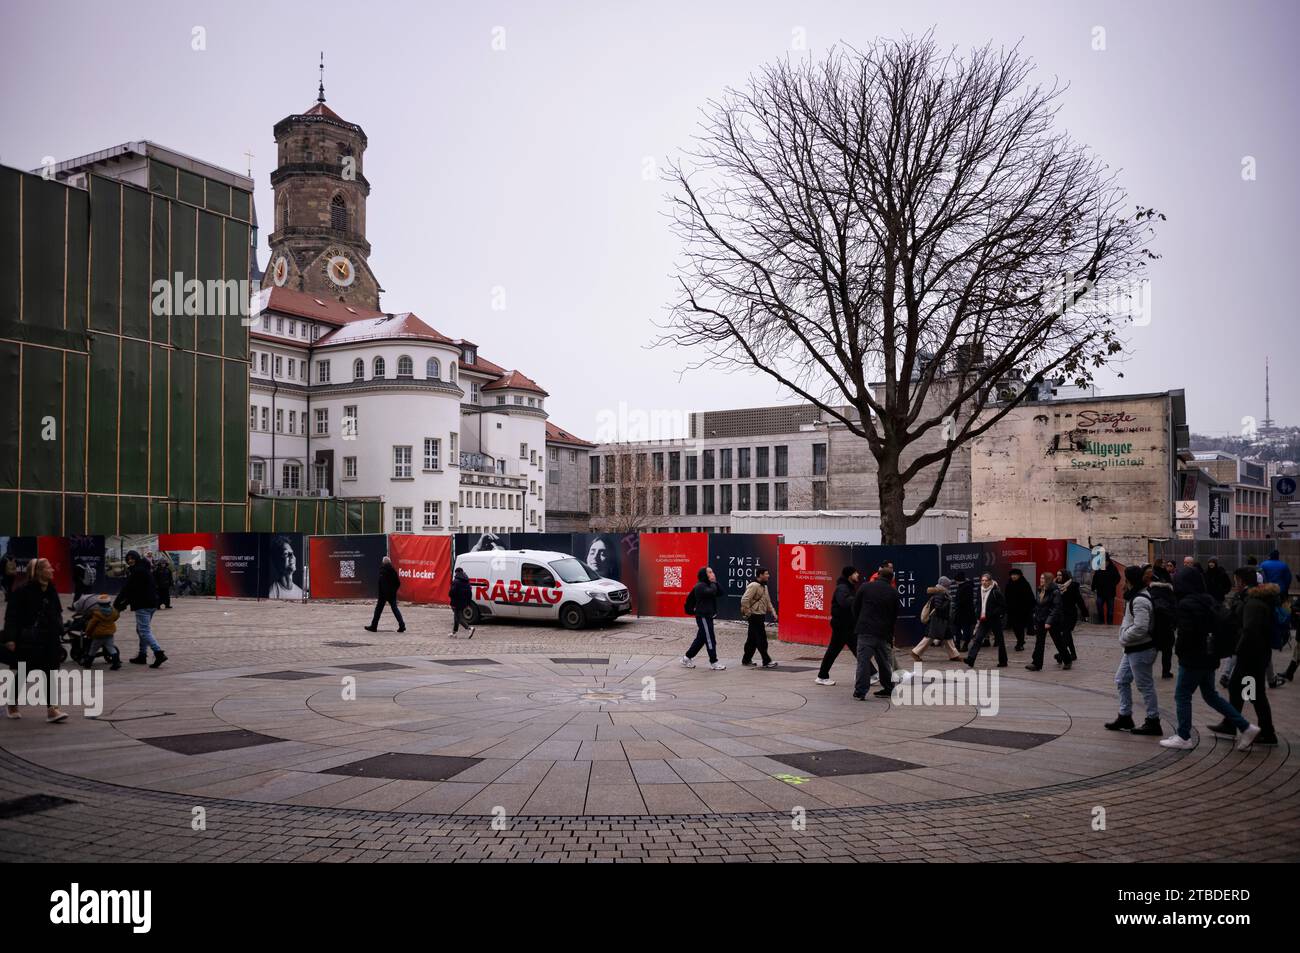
[302,737]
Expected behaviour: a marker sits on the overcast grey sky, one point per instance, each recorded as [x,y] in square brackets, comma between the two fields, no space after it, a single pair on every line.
[524,168]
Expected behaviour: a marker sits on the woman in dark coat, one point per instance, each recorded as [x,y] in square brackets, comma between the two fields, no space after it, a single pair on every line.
[461,596]
[1073,608]
[1256,611]
[1020,606]
[33,626]
[1047,622]
[938,622]
[1217,581]
[963,611]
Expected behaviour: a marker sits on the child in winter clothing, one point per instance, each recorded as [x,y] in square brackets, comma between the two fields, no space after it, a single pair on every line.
[101,626]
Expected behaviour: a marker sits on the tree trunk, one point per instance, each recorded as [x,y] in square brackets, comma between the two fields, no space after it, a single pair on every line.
[893,522]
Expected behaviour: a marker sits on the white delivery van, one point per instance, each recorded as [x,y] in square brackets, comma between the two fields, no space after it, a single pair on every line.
[541,586]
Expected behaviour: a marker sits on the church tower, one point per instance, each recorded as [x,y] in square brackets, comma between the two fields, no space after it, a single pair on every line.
[318,242]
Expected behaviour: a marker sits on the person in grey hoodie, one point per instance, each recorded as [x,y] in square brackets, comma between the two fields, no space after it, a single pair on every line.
[1137,641]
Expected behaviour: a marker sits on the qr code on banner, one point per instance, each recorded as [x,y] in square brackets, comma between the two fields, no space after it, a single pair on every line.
[812,598]
[347,569]
[672,577]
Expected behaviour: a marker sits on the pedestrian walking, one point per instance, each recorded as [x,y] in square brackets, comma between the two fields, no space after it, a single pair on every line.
[1020,606]
[992,619]
[1138,647]
[140,595]
[1197,662]
[1161,591]
[162,580]
[755,607]
[461,594]
[1105,584]
[1073,608]
[964,611]
[1255,610]
[1218,583]
[8,573]
[1277,572]
[32,629]
[1047,622]
[702,602]
[389,583]
[875,606]
[936,616]
[101,627]
[843,635]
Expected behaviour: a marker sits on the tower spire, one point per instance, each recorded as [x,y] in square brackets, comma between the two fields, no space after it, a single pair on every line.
[1268,414]
[320,94]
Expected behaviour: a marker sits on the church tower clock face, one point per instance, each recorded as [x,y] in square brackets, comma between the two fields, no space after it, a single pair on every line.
[280,271]
[340,271]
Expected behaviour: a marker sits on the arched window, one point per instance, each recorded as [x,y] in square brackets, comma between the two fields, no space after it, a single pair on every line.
[453,372]
[283,210]
[432,369]
[379,367]
[405,368]
[358,370]
[338,214]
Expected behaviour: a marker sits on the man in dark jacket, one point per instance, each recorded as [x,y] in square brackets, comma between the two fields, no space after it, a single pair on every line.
[162,578]
[1105,583]
[1255,607]
[389,583]
[1165,605]
[992,617]
[140,596]
[1217,581]
[842,634]
[1197,663]
[876,609]
[704,606]
[1020,606]
[1073,608]
[964,610]
[460,594]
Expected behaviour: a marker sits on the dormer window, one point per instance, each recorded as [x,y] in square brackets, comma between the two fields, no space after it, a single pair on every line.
[467,355]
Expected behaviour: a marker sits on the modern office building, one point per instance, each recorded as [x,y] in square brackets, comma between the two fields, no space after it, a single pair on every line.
[1248,514]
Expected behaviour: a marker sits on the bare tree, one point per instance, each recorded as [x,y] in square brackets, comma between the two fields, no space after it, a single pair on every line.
[861,229]
[637,487]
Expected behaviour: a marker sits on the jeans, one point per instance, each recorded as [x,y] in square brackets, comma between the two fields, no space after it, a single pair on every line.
[840,639]
[756,640]
[981,631]
[1263,712]
[1191,679]
[1136,667]
[390,601]
[878,650]
[105,645]
[1106,610]
[704,639]
[144,630]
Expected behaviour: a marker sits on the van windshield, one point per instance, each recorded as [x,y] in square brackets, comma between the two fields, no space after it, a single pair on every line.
[572,570]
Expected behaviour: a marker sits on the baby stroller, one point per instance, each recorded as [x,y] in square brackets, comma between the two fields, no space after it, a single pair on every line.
[74,630]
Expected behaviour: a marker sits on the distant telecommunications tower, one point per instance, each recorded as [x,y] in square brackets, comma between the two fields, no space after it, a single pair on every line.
[1268,417]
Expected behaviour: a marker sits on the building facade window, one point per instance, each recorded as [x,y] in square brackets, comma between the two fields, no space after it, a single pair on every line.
[707,502]
[402,519]
[432,453]
[782,462]
[405,366]
[322,372]
[266,418]
[322,421]
[252,417]
[257,469]
[432,514]
[761,456]
[674,500]
[724,499]
[691,500]
[819,494]
[279,420]
[674,466]
[338,214]
[262,362]
[350,421]
[432,369]
[474,393]
[293,421]
[401,463]
[706,464]
[724,463]
[782,496]
[593,463]
[593,502]
[279,366]
[379,368]
[742,496]
[819,459]
[349,468]
[762,499]
[358,370]
[692,467]
[742,465]
[291,474]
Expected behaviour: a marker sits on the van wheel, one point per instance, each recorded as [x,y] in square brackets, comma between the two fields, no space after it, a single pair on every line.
[572,616]
[470,615]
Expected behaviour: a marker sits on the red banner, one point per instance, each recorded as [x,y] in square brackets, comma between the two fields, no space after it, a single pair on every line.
[668,569]
[346,567]
[423,563]
[807,574]
[56,550]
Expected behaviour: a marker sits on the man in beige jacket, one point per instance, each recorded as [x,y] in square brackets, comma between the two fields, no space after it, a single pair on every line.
[755,605]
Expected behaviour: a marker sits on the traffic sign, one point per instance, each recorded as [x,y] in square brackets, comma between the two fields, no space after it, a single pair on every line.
[1284,487]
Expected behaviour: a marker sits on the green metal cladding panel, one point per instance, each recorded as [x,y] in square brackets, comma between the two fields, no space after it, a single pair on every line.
[42,514]
[133,514]
[241,205]
[101,476]
[190,188]
[159,436]
[235,439]
[261,518]
[207,518]
[78,258]
[182,518]
[137,297]
[234,517]
[74,422]
[217,195]
[133,429]
[9,512]
[159,517]
[181,428]
[101,515]
[236,269]
[160,267]
[207,432]
[44,209]
[11,188]
[183,244]
[105,253]
[162,178]
[42,410]
[210,320]
[9,413]
[74,514]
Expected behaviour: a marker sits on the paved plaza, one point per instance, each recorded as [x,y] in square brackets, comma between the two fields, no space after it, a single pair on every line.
[303,737]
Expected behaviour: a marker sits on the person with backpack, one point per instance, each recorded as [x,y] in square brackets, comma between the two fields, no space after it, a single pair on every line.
[842,634]
[1047,622]
[702,602]
[876,608]
[755,607]
[460,594]
[1199,646]
[1254,611]
[992,614]
[1137,642]
[936,616]
[389,583]
[1160,587]
[140,595]
[1020,606]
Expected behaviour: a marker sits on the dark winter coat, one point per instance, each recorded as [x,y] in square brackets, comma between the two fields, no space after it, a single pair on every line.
[1020,601]
[162,574]
[706,595]
[1105,581]
[1073,608]
[1164,604]
[842,606]
[940,613]
[389,582]
[460,593]
[1258,619]
[34,622]
[992,609]
[876,609]
[964,613]
[1217,582]
[1196,618]
[139,591]
[1047,610]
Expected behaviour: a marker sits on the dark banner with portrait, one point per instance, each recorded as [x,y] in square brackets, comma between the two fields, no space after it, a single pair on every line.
[479,542]
[735,558]
[236,555]
[281,566]
[545,542]
[346,567]
[610,556]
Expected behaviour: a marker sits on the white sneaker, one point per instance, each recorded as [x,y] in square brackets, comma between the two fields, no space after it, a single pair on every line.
[1248,738]
[687,663]
[716,666]
[875,679]
[825,681]
[1173,741]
